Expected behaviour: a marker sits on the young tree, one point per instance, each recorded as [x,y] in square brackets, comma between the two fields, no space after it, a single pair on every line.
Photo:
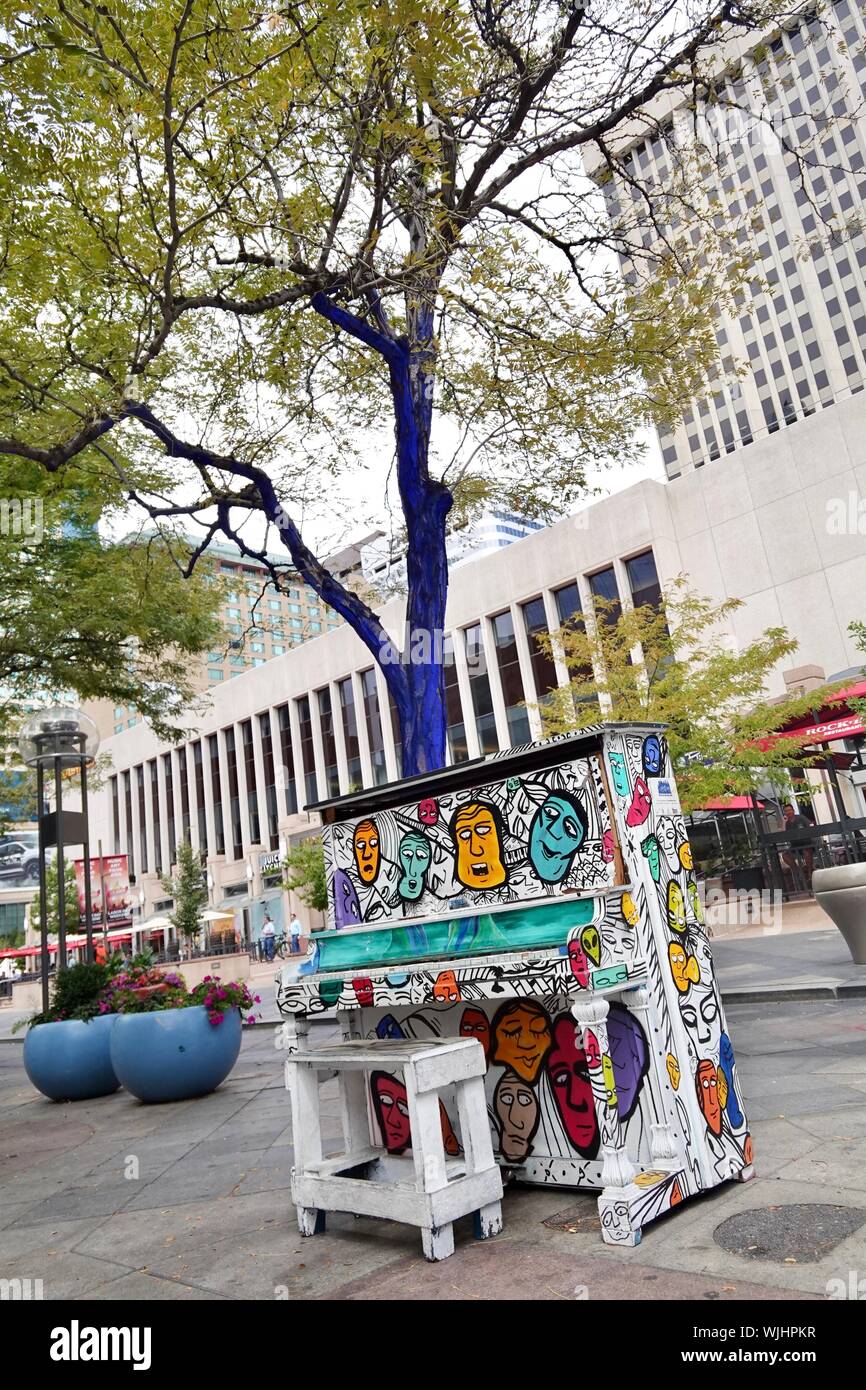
[189,891]
[677,665]
[305,873]
[250,237]
[52,899]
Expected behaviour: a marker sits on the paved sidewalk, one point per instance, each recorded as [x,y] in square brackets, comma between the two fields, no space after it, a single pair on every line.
[111,1199]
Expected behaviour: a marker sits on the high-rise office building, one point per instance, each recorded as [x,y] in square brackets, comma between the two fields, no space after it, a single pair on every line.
[777,162]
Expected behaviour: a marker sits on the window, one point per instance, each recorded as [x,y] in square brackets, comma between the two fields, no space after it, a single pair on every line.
[643,580]
[308,754]
[510,678]
[543,668]
[168,773]
[154,811]
[115,814]
[396,733]
[214,676]
[329,742]
[458,748]
[570,613]
[287,759]
[252,790]
[479,685]
[274,605]
[270,778]
[234,794]
[605,592]
[127,807]
[257,646]
[213,750]
[142,818]
[350,731]
[198,769]
[373,721]
[183,771]
[279,651]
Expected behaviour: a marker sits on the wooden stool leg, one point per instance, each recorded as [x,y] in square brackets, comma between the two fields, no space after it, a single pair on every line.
[303,1083]
[437,1242]
[311,1221]
[487,1221]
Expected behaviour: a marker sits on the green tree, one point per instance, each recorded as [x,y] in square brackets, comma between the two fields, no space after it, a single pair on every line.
[304,873]
[52,899]
[108,620]
[252,238]
[189,891]
[676,665]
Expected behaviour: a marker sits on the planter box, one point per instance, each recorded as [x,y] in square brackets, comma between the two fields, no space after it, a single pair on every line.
[72,1060]
[174,1054]
[841,892]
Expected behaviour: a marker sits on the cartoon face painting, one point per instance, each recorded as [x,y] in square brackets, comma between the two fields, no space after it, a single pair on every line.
[347,909]
[653,756]
[515,1105]
[707,1086]
[579,962]
[568,1073]
[684,968]
[641,805]
[428,811]
[666,833]
[557,831]
[591,943]
[651,852]
[673,1067]
[695,900]
[392,1111]
[475,1024]
[676,907]
[446,988]
[521,1037]
[684,854]
[628,907]
[414,855]
[700,1014]
[367,854]
[726,1063]
[363,988]
[475,830]
[629,1054]
[618,773]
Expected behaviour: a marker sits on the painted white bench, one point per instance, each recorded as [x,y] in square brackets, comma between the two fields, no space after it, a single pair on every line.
[429,1189]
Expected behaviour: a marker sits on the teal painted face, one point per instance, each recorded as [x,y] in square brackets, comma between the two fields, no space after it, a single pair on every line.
[414,855]
[619,774]
[651,851]
[558,830]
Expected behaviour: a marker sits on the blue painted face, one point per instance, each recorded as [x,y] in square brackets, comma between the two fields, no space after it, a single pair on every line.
[347,909]
[415,857]
[619,773]
[558,830]
[651,851]
[652,756]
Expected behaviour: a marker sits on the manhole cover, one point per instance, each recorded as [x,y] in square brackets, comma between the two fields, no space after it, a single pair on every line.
[799,1234]
[573,1220]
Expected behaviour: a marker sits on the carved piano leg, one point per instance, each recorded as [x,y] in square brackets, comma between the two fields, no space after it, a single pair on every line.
[663,1144]
[617,1170]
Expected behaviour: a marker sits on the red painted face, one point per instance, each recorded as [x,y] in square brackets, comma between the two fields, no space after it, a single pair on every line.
[607,846]
[428,811]
[392,1111]
[593,1051]
[363,992]
[572,1090]
[641,805]
[579,963]
[707,1084]
[475,1024]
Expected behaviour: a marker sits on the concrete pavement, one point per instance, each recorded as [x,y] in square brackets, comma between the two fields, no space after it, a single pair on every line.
[111,1199]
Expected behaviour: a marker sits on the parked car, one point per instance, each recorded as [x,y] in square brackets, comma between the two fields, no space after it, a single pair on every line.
[19,859]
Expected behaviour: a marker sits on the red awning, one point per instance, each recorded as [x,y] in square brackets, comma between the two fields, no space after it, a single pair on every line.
[828,732]
[730,803]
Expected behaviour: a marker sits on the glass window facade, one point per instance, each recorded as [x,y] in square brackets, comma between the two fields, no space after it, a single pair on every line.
[253,822]
[234,794]
[543,668]
[270,779]
[479,686]
[510,678]
[308,751]
[329,742]
[350,732]
[216,788]
[373,721]
[458,748]
[287,760]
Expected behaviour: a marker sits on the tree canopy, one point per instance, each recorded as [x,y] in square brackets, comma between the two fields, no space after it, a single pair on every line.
[249,237]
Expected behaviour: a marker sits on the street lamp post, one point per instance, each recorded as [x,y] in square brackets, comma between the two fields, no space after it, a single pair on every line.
[56,740]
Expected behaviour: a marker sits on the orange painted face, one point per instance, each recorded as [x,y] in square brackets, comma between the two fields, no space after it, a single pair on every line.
[707,1086]
[366,846]
[446,987]
[522,1039]
[479,850]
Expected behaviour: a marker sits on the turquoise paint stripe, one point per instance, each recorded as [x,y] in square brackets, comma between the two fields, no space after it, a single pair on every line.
[487,933]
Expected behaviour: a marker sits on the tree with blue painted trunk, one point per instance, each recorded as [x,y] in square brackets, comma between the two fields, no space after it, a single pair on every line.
[251,239]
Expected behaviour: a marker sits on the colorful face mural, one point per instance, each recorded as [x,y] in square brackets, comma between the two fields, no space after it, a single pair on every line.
[653,756]
[651,852]
[673,1067]
[568,1072]
[363,992]
[641,804]
[700,1014]
[428,811]
[685,855]
[628,908]
[474,1023]
[392,1111]
[521,1037]
[478,841]
[666,834]
[695,901]
[347,909]
[557,831]
[684,968]
[706,1084]
[367,853]
[414,854]
[609,1080]
[515,1105]
[726,1062]
[579,962]
[388,1027]
[629,1053]
[676,907]
[608,852]
[591,943]
[446,988]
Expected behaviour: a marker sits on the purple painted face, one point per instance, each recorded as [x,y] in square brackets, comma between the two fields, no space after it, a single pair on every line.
[347,909]
[630,1057]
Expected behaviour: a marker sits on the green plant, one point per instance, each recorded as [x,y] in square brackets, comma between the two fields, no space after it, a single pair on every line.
[304,868]
[77,993]
[189,891]
[52,899]
[141,990]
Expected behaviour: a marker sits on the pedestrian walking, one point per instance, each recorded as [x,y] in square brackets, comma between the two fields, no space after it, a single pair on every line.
[295,930]
[267,935]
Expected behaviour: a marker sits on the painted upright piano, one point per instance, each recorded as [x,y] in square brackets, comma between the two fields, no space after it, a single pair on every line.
[544,901]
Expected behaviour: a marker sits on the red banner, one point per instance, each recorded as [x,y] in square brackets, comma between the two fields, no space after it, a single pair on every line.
[115,878]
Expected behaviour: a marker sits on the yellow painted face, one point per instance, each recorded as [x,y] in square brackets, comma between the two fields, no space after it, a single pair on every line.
[723,1088]
[673,1067]
[676,907]
[685,854]
[684,968]
[366,846]
[609,1079]
[649,1179]
[479,852]
[695,900]
[629,909]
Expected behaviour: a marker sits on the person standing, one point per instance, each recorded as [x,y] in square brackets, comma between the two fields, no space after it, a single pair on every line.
[267,935]
[295,930]
[801,853]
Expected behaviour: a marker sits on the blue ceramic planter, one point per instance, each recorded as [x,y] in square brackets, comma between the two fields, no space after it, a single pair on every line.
[71,1061]
[174,1054]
